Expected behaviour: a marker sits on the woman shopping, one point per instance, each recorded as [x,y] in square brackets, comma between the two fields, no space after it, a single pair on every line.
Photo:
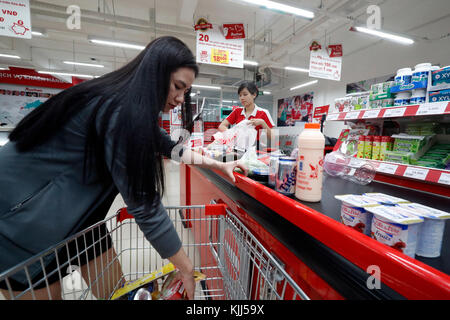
[258,117]
[68,159]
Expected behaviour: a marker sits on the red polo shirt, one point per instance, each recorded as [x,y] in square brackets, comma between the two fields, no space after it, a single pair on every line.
[258,113]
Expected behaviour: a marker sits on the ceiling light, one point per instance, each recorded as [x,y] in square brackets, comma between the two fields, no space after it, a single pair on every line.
[297,69]
[9,56]
[304,85]
[84,64]
[252,63]
[206,87]
[66,74]
[282,7]
[37,33]
[119,44]
[267,92]
[384,35]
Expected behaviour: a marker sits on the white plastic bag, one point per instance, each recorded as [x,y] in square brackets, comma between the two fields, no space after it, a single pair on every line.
[242,136]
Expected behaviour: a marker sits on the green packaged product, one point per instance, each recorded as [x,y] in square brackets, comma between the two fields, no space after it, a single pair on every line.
[398,157]
[408,143]
[430,164]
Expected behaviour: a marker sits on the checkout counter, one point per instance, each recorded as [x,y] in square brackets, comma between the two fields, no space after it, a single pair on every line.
[327,259]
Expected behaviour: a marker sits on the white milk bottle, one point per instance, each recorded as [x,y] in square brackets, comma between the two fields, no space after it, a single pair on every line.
[311,145]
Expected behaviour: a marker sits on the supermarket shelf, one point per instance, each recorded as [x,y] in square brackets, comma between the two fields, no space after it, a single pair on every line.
[425,109]
[422,178]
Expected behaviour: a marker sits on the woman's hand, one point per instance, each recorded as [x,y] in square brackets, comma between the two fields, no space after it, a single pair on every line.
[228,169]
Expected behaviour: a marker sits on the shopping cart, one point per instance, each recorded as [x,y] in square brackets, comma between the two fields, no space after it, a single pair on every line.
[235,263]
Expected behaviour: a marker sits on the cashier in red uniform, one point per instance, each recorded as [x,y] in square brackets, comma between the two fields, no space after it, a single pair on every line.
[257,116]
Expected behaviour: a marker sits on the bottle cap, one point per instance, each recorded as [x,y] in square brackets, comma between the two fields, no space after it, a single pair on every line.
[312,125]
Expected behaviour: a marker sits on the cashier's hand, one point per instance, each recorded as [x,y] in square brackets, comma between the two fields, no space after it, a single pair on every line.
[257,122]
[228,169]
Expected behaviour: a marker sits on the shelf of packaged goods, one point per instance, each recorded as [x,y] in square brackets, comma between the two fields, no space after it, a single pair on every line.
[425,109]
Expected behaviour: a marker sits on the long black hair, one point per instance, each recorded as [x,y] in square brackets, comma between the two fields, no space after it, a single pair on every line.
[138,91]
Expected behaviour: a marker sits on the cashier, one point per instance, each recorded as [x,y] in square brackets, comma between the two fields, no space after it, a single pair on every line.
[258,117]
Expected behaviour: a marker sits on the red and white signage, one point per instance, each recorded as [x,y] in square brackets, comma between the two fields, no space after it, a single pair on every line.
[233,30]
[321,65]
[434,108]
[15,19]
[213,48]
[320,111]
[29,77]
[335,50]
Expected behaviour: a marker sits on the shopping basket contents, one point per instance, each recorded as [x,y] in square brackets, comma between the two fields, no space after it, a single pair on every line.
[229,263]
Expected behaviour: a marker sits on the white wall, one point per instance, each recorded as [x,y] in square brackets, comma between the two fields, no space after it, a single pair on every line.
[380,59]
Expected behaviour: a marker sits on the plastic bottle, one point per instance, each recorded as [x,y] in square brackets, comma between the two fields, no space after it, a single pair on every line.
[421,73]
[311,145]
[359,171]
[418,96]
[402,98]
[403,76]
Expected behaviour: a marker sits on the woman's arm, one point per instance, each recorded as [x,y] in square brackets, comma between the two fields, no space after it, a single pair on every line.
[224,125]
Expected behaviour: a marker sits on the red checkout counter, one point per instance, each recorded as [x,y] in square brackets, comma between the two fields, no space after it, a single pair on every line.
[327,259]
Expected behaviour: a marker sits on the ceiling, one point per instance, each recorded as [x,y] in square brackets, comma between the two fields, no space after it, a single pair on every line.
[273,39]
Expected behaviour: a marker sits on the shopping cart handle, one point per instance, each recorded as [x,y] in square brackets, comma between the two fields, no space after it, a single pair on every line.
[215,209]
[122,214]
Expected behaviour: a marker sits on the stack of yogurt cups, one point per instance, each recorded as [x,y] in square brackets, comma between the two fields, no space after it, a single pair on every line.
[411,228]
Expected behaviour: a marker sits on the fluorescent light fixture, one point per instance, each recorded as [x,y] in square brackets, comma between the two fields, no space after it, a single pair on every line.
[304,85]
[114,43]
[385,35]
[9,56]
[252,63]
[227,101]
[267,92]
[84,64]
[56,73]
[282,7]
[206,87]
[297,69]
[37,33]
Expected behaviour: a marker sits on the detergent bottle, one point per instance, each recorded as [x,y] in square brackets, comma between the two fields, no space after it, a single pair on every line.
[311,145]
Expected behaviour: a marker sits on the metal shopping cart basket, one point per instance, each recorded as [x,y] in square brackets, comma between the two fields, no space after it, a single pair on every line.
[235,263]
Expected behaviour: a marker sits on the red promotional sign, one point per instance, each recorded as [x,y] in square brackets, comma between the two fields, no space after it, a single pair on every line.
[233,31]
[29,77]
[335,50]
[320,111]
[315,46]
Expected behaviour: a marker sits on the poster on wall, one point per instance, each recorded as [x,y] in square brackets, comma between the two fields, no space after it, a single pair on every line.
[15,19]
[17,101]
[294,110]
[213,48]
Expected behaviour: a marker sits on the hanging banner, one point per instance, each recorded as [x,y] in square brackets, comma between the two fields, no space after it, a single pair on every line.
[29,77]
[321,65]
[214,48]
[15,19]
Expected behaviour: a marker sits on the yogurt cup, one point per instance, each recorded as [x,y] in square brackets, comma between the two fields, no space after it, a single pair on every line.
[401,237]
[431,231]
[354,214]
[382,198]
[395,227]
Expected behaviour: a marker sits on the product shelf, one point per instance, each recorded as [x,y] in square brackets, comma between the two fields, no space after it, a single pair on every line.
[425,109]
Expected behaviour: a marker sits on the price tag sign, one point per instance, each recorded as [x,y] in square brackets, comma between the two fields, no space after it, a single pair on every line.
[352,115]
[333,116]
[432,108]
[387,168]
[444,178]
[416,173]
[369,114]
[394,112]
